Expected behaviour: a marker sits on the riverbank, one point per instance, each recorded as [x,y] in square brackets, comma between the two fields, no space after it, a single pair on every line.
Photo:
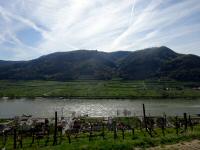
[93,89]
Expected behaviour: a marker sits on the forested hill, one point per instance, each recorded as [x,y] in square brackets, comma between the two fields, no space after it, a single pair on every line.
[157,62]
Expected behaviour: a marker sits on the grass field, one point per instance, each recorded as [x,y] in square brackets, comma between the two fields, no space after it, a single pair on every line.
[116,89]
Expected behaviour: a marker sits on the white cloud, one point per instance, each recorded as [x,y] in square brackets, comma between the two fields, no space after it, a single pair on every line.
[154,20]
[97,24]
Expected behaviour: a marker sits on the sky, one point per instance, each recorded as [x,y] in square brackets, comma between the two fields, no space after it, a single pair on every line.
[31,28]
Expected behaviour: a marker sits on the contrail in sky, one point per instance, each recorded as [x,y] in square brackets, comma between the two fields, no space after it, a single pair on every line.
[132,11]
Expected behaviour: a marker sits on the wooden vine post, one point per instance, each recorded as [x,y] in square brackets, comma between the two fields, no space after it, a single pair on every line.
[145,122]
[185,122]
[115,129]
[123,135]
[33,135]
[176,125]
[4,138]
[15,138]
[163,126]
[68,136]
[165,120]
[55,130]
[103,132]
[190,122]
[133,131]
[48,134]
[20,139]
[144,116]
[91,128]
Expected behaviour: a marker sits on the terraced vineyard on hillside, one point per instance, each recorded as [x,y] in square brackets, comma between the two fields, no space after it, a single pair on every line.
[114,89]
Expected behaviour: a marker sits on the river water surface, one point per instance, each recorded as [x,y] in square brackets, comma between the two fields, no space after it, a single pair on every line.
[45,107]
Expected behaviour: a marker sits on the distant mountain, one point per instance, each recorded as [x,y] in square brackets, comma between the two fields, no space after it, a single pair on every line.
[79,64]
[145,63]
[157,62]
[184,67]
[6,63]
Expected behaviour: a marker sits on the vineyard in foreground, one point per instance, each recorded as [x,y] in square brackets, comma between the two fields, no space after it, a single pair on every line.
[97,133]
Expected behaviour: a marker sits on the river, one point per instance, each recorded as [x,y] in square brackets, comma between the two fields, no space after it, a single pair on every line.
[45,107]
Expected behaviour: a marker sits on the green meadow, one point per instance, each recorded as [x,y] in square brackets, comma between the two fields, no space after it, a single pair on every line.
[112,89]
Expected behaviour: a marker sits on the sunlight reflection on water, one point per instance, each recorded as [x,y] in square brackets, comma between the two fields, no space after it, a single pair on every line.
[41,107]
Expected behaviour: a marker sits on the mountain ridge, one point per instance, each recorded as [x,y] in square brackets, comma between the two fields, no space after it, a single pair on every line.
[155,62]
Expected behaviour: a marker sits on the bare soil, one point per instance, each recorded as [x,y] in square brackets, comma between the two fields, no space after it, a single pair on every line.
[192,145]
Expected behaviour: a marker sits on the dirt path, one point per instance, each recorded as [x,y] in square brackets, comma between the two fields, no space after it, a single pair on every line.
[192,145]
